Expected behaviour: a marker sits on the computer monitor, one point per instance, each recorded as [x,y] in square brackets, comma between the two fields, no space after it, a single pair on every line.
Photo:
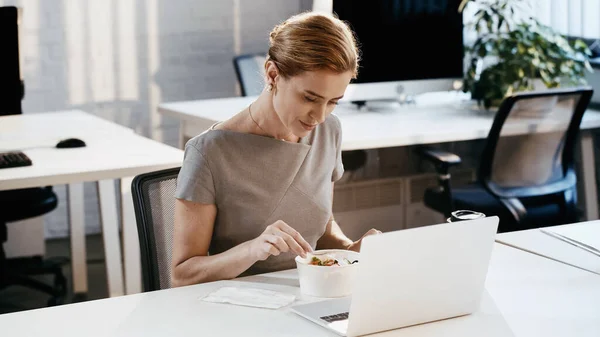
[408,46]
[10,61]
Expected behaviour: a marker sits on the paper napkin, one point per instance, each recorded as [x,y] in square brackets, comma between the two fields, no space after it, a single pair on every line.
[251,297]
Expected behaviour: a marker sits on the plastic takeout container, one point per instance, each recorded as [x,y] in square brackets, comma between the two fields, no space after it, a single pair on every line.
[328,281]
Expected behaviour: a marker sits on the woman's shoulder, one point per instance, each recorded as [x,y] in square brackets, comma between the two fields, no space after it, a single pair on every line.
[207,142]
[220,139]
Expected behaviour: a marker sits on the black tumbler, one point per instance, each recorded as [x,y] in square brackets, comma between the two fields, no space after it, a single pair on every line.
[463,215]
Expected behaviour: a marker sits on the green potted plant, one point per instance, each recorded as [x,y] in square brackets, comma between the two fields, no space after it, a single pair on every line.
[512,55]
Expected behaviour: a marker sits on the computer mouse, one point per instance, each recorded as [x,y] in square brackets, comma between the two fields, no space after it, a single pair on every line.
[70,143]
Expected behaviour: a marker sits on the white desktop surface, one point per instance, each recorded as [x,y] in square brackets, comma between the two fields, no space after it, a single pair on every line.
[541,297]
[112,152]
[436,117]
[536,297]
[535,241]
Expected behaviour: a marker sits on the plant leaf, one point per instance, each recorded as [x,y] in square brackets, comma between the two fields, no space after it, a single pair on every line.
[500,22]
[580,44]
[462,5]
[588,66]
[545,77]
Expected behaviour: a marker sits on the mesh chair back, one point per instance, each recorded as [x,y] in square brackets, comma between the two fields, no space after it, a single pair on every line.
[154,204]
[250,72]
[532,141]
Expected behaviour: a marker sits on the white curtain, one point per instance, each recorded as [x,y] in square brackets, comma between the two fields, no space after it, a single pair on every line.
[580,18]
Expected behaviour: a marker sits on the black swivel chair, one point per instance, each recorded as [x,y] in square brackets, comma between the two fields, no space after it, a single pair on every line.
[16,205]
[250,72]
[154,204]
[21,204]
[529,181]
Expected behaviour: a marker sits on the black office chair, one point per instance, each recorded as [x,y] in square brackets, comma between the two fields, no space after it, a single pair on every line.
[16,205]
[529,181]
[154,204]
[21,204]
[250,72]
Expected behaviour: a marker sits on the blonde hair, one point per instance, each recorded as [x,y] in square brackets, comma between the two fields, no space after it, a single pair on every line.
[313,41]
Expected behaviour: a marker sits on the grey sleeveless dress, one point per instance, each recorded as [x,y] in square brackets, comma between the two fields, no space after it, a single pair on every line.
[256,180]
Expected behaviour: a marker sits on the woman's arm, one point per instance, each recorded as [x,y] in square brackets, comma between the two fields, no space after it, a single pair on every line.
[334,237]
[194,224]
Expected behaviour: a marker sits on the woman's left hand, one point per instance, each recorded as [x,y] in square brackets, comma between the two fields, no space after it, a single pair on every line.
[356,245]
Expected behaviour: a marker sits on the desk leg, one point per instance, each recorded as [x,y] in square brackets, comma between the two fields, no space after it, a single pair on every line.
[75,202]
[131,245]
[110,234]
[589,176]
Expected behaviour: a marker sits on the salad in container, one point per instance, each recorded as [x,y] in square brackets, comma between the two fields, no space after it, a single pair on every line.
[328,273]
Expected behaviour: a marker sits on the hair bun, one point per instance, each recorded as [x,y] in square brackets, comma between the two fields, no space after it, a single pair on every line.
[313,41]
[276,30]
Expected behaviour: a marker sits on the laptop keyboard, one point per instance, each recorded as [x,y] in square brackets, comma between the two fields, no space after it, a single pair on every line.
[337,317]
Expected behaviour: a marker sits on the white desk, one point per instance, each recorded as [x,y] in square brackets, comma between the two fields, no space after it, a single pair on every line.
[112,152]
[535,241]
[540,297]
[536,296]
[436,118]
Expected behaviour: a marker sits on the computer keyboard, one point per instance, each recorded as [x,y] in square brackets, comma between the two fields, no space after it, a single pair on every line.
[14,159]
[337,317]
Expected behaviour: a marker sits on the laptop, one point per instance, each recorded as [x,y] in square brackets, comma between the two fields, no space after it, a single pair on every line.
[412,276]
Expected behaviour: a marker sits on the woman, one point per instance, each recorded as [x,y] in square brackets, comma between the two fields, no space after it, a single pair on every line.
[256,190]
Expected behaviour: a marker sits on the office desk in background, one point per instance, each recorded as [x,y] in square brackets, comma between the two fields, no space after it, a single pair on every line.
[535,296]
[436,118]
[112,152]
[536,242]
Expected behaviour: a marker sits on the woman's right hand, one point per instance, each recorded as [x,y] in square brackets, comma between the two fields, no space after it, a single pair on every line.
[278,238]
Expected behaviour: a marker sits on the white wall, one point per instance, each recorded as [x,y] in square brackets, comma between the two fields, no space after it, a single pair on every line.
[118,59]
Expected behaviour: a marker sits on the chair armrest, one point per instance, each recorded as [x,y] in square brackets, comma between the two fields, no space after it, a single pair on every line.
[442,160]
